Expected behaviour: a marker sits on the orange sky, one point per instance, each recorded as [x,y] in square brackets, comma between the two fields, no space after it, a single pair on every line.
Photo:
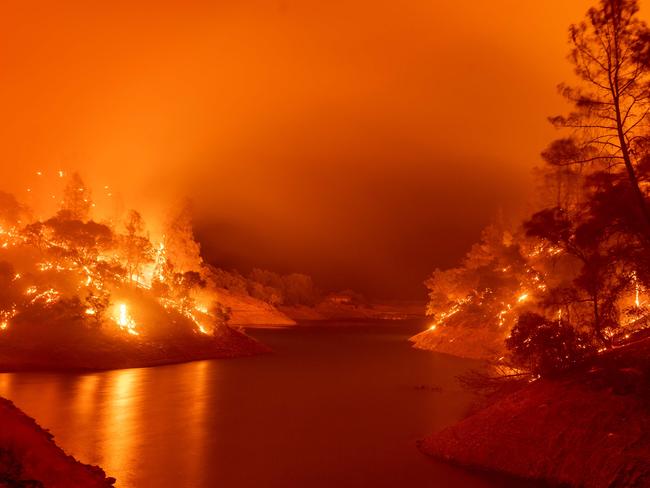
[363,142]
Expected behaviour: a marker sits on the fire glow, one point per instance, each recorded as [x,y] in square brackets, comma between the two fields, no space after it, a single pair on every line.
[100,273]
[124,319]
[524,287]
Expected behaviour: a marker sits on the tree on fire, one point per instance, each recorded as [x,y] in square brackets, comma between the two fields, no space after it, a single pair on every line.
[183,252]
[488,281]
[607,228]
[135,246]
[589,239]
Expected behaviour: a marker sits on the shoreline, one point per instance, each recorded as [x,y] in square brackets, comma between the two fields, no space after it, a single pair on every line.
[590,427]
[230,344]
[30,456]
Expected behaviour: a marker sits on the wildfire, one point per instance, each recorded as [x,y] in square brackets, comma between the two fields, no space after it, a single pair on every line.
[124,319]
[81,263]
[637,290]
[442,317]
[6,316]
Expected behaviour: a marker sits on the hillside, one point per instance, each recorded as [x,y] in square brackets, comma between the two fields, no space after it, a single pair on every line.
[590,427]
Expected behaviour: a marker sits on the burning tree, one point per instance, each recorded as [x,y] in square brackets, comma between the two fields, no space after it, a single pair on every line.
[606,230]
[583,258]
[69,280]
[474,306]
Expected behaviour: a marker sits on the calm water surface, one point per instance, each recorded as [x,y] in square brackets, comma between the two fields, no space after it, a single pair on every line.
[332,407]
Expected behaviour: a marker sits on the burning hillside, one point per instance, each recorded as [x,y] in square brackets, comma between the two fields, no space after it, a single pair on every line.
[77,292]
[509,275]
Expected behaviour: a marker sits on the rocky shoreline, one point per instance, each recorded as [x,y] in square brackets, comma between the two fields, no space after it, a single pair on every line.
[589,428]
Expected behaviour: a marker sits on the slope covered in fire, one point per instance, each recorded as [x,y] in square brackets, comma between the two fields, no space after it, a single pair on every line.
[78,293]
[572,276]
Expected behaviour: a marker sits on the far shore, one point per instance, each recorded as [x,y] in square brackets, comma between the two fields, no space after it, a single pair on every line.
[230,343]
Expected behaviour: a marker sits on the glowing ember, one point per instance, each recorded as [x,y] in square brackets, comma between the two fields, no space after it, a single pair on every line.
[5,316]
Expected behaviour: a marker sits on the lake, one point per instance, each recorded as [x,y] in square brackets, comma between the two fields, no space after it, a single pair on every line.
[333,406]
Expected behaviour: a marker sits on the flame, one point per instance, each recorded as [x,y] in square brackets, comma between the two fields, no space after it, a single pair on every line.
[6,316]
[124,319]
[91,272]
[637,299]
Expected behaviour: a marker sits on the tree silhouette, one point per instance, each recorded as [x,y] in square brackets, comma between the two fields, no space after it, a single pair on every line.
[611,106]
[545,346]
[77,201]
[183,252]
[135,246]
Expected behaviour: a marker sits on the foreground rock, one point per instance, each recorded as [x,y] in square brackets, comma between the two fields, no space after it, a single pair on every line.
[590,428]
[29,458]
[96,351]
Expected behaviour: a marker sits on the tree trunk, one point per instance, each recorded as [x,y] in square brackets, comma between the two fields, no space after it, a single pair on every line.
[631,173]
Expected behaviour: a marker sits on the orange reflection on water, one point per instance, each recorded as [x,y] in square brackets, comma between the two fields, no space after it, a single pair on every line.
[130,416]
[197,400]
[118,420]
[85,400]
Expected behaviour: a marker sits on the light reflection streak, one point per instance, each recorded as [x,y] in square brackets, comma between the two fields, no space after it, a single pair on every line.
[122,420]
[118,422]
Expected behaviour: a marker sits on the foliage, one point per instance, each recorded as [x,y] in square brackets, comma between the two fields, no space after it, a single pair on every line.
[291,289]
[543,346]
[583,255]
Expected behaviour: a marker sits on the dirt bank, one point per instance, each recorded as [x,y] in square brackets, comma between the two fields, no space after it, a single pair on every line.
[589,428]
[465,342]
[30,458]
[98,352]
